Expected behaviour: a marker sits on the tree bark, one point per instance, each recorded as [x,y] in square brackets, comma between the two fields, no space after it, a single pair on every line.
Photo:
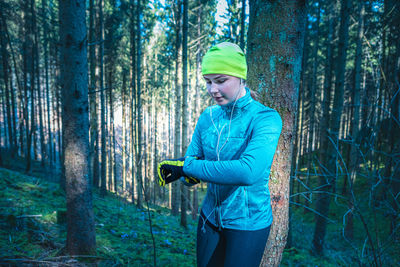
[43,151]
[312,115]
[113,166]
[178,110]
[185,111]
[133,110]
[81,239]
[139,119]
[124,135]
[7,88]
[355,146]
[103,166]
[328,183]
[274,70]
[47,88]
[28,84]
[94,136]
[242,25]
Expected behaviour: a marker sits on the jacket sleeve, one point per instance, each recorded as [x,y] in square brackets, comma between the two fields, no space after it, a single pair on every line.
[252,165]
[195,148]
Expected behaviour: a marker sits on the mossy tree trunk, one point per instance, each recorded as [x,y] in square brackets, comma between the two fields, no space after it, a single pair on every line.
[275,44]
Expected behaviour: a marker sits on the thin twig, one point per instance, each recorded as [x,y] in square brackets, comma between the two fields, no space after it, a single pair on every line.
[310,209]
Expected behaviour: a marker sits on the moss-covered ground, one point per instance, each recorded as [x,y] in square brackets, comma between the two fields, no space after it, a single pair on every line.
[33,231]
[30,231]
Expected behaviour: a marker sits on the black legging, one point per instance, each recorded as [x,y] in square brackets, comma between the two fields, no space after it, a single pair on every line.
[228,247]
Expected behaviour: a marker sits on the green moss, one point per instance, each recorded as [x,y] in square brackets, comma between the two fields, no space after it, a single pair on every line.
[122,230]
[272,177]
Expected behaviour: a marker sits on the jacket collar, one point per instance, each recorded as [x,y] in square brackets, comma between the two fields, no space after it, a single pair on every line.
[240,103]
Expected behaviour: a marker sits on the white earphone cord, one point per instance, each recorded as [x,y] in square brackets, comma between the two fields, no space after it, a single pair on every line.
[218,151]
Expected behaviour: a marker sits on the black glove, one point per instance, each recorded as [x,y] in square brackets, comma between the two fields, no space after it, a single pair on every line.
[170,170]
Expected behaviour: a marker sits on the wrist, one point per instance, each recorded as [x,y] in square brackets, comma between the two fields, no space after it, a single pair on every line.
[186,166]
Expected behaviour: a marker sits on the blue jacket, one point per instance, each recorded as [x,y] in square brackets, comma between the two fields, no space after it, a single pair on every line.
[237,196]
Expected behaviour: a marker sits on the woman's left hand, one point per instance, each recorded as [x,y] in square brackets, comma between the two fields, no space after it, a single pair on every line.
[170,170]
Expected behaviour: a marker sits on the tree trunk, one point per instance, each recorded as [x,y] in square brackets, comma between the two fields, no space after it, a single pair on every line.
[178,108]
[94,136]
[43,151]
[301,115]
[13,100]
[355,145]
[133,110]
[28,85]
[196,112]
[47,88]
[185,111]
[312,115]
[274,68]
[139,118]
[327,91]
[81,239]
[7,89]
[34,88]
[124,135]
[103,166]
[242,25]
[113,166]
[332,145]
[304,95]
[156,150]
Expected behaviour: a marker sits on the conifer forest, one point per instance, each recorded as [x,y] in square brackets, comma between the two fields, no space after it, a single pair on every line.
[95,94]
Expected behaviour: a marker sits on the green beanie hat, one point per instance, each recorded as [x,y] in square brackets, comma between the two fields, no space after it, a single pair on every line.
[225,58]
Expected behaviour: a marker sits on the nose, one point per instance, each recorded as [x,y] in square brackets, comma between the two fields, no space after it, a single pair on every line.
[213,88]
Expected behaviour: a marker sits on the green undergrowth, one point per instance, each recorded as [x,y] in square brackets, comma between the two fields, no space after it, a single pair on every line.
[33,230]
[371,220]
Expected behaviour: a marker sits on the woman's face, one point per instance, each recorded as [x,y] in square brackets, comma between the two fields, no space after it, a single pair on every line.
[223,88]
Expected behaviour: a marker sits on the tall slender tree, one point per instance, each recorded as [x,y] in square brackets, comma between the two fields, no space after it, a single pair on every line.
[103,166]
[178,108]
[94,136]
[28,83]
[333,138]
[313,92]
[355,147]
[81,238]
[40,108]
[124,150]
[133,99]
[185,111]
[47,79]
[139,118]
[242,25]
[7,88]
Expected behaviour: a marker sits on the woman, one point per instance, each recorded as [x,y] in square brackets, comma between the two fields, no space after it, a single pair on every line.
[232,149]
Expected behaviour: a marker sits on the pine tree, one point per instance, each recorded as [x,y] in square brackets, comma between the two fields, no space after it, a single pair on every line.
[274,68]
[81,238]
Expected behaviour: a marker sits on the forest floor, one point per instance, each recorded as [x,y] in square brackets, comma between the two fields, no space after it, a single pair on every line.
[33,231]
